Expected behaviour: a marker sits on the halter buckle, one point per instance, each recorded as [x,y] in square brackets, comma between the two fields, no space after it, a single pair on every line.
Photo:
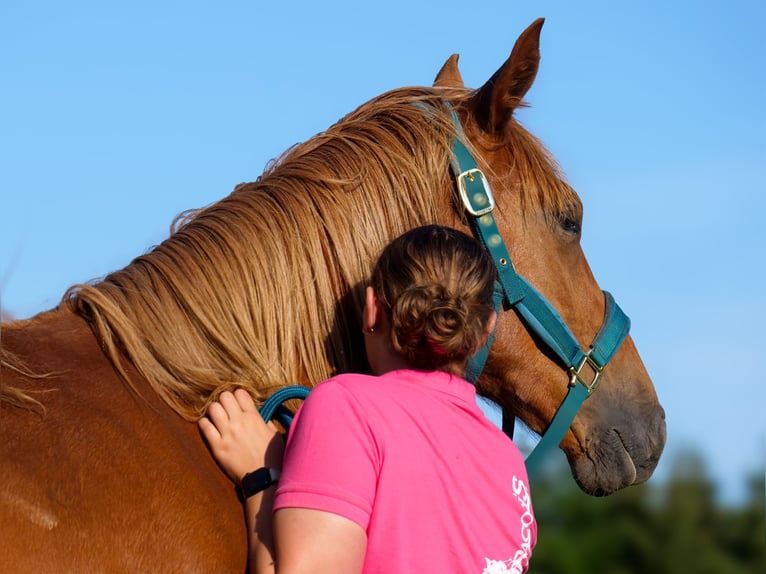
[576,375]
[480,201]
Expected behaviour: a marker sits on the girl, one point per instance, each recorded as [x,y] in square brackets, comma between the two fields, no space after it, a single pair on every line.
[399,471]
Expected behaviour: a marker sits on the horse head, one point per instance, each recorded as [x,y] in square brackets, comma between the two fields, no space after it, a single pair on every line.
[618,435]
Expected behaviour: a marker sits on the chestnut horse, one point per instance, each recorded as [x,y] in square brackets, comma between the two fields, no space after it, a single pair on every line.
[103,468]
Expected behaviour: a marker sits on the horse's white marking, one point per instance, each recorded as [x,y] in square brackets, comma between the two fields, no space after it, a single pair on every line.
[34,512]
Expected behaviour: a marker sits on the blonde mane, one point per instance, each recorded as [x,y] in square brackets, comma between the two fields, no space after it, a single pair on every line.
[264,288]
[247,290]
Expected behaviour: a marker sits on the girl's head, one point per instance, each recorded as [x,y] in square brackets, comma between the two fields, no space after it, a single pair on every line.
[435,286]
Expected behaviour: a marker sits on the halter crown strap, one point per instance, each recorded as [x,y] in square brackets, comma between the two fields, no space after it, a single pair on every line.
[540,317]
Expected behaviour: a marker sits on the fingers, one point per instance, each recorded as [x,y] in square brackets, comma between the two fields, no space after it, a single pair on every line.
[238,437]
[230,406]
[224,412]
[244,400]
[215,423]
[229,403]
[230,411]
[209,430]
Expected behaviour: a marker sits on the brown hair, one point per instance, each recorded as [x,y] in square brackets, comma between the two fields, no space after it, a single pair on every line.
[436,286]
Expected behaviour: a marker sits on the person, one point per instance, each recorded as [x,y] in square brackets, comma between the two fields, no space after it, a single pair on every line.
[398,471]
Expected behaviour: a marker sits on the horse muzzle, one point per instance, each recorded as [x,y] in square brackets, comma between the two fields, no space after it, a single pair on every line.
[615,456]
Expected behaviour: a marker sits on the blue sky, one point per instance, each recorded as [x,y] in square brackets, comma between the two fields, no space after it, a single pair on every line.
[115,117]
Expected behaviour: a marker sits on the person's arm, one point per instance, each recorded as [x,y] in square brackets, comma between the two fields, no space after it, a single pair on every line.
[327,492]
[242,442]
[317,542]
[261,555]
[307,541]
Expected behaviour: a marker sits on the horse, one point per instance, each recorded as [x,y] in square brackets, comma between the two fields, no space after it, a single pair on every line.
[103,468]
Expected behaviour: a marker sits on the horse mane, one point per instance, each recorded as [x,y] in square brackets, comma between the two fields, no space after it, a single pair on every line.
[246,290]
[22,398]
[264,288]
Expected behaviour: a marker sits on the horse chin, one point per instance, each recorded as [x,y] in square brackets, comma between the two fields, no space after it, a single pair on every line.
[618,453]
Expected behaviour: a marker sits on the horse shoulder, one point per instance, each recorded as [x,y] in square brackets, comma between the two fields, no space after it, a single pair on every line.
[104,467]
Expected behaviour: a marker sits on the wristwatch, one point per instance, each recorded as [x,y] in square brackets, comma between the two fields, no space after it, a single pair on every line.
[258,480]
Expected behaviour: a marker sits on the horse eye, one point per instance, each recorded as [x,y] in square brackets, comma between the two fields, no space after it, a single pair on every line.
[570,223]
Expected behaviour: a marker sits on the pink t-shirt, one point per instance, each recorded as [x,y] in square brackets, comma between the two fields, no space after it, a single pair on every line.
[411,458]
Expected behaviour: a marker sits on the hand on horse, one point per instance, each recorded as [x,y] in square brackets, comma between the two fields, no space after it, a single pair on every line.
[239,438]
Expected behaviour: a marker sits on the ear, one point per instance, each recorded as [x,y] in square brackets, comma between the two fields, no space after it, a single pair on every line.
[495,101]
[491,323]
[449,76]
[372,310]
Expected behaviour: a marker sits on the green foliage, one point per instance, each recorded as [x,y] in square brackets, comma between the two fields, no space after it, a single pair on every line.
[671,527]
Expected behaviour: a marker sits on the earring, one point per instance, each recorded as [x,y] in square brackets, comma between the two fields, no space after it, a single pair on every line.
[370,331]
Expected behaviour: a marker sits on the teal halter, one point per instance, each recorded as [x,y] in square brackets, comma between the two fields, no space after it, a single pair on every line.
[541,318]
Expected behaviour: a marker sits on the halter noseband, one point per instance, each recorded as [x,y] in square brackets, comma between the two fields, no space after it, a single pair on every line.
[514,292]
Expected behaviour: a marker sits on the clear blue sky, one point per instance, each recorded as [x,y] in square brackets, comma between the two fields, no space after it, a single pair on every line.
[115,117]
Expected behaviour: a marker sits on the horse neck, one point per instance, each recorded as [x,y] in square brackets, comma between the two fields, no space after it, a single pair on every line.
[264,288]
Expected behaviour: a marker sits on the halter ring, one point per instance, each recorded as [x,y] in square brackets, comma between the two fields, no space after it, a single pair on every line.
[575,375]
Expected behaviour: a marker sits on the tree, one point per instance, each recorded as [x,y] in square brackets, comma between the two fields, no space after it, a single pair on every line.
[674,527]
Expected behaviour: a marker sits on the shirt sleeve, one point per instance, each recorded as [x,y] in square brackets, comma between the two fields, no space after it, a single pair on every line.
[331,460]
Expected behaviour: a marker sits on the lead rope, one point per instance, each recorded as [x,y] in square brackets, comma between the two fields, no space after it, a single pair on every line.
[274,409]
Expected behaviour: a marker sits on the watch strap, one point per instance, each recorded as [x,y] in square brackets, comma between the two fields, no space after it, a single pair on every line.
[258,480]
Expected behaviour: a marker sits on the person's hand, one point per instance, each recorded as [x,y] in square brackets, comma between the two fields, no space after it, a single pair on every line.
[240,440]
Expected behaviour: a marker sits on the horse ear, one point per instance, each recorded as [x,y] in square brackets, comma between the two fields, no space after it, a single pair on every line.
[496,100]
[449,76]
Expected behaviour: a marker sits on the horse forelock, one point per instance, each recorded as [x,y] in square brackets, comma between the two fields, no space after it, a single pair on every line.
[526,165]
[264,287]
[541,181]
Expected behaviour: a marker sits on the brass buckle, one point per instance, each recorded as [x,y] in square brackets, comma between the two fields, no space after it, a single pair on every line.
[480,198]
[575,375]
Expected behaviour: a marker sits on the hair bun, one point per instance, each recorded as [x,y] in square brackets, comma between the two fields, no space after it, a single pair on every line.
[435,284]
[429,326]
